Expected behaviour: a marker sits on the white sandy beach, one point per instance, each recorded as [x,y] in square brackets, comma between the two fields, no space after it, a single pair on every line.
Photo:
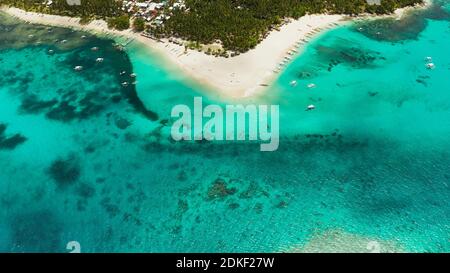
[241,76]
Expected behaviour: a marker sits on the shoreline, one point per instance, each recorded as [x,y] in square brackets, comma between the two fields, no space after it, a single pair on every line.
[245,75]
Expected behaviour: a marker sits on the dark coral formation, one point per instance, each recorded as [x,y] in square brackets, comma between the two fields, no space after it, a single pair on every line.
[32,105]
[122,123]
[408,28]
[36,231]
[85,191]
[342,52]
[352,56]
[110,207]
[220,190]
[65,171]
[9,143]
[75,101]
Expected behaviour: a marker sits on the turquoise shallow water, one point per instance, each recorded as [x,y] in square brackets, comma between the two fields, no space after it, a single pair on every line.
[82,158]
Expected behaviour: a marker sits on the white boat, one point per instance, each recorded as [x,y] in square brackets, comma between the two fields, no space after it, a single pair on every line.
[428,59]
[311,85]
[293,83]
[99,60]
[78,68]
[430,66]
[125,84]
[133,75]
[311,107]
[64,41]
[122,73]
[51,51]
[94,48]
[83,36]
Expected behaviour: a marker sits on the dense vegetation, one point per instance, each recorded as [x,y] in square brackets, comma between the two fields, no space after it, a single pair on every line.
[109,10]
[121,22]
[241,24]
[88,8]
[139,24]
